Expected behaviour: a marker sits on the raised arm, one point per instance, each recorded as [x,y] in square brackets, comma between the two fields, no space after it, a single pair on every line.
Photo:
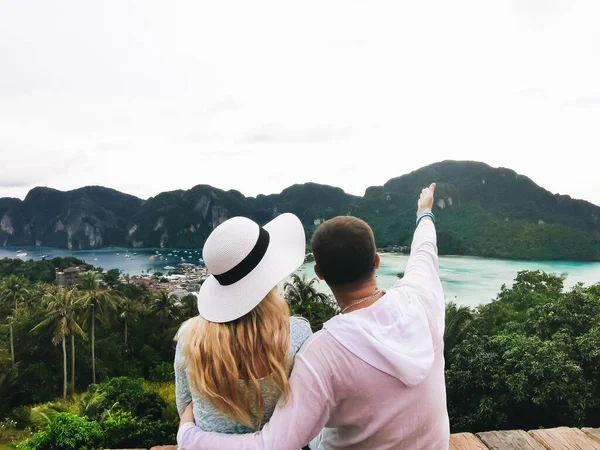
[422,270]
[291,426]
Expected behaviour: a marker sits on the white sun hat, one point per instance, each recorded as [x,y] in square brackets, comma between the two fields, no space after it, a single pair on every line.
[246,261]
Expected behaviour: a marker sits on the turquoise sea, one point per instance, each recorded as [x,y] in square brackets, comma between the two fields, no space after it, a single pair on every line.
[467,280]
[472,281]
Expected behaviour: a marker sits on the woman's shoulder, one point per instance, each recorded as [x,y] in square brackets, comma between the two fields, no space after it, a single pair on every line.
[183,334]
[299,322]
[300,331]
[184,330]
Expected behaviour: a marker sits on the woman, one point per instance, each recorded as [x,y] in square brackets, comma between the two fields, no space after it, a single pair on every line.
[233,360]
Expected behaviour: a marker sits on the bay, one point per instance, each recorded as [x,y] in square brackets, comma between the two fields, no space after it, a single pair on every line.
[466,280]
[473,281]
[137,261]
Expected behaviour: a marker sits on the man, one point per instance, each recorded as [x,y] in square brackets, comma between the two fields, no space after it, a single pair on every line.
[373,378]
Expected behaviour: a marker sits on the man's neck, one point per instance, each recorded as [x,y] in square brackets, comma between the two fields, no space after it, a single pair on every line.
[346,297]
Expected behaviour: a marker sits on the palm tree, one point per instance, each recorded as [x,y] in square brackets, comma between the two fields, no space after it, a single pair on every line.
[13,290]
[305,300]
[99,303]
[36,294]
[79,317]
[8,381]
[11,321]
[458,324]
[63,305]
[129,309]
[303,290]
[163,305]
[188,307]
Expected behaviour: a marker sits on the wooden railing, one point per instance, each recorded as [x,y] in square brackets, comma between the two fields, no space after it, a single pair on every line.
[561,438]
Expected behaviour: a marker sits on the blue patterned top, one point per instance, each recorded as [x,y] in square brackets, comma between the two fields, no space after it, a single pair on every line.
[207,417]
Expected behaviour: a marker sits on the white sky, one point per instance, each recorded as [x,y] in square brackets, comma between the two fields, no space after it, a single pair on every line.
[254,95]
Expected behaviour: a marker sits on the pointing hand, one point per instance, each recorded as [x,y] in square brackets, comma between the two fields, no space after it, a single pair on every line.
[425,202]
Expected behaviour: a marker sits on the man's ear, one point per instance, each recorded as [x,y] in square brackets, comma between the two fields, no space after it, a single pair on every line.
[377,261]
[318,272]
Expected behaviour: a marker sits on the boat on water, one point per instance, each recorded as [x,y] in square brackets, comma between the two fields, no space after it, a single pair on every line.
[169,268]
[127,256]
[117,254]
[21,254]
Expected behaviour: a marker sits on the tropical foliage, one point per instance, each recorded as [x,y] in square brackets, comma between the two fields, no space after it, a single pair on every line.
[66,431]
[528,359]
[108,330]
[37,271]
[98,303]
[458,324]
[306,301]
[63,307]
[121,412]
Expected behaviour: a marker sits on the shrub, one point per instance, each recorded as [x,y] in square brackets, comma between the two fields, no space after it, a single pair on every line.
[22,416]
[41,415]
[66,431]
[167,393]
[163,372]
[94,405]
[123,430]
[37,442]
[124,394]
[7,426]
[316,312]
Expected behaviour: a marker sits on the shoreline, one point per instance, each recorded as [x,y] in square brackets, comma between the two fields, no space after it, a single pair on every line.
[105,250]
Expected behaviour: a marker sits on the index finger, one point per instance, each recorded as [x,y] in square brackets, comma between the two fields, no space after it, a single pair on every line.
[432,187]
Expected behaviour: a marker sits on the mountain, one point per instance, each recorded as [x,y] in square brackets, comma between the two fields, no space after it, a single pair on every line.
[480,211]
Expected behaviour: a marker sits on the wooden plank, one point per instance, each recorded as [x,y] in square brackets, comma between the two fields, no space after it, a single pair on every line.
[594,433]
[509,440]
[465,441]
[564,438]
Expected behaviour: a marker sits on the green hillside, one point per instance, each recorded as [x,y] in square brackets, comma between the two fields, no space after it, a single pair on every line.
[481,210]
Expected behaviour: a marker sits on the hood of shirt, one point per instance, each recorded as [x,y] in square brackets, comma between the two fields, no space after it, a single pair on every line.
[392,335]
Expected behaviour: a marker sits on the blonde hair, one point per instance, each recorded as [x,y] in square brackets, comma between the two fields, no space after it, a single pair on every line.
[255,346]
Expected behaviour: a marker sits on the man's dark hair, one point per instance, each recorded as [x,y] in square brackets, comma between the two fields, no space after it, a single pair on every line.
[344,250]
